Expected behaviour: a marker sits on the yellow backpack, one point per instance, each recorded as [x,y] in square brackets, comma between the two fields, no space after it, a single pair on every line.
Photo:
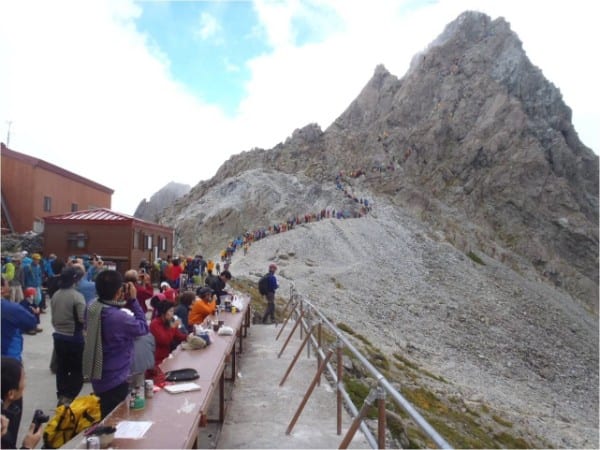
[69,421]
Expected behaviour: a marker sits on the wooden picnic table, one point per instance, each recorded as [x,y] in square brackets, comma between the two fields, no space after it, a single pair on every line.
[177,418]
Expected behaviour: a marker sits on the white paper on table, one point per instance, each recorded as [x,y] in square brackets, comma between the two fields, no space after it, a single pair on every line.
[129,429]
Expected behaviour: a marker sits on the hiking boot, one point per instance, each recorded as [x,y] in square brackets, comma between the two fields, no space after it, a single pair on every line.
[32,332]
[39,329]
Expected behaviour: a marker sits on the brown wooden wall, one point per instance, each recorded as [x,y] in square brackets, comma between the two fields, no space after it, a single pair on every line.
[24,187]
[17,190]
[65,192]
[114,242]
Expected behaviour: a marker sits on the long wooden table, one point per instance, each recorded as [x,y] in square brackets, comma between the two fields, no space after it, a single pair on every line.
[177,418]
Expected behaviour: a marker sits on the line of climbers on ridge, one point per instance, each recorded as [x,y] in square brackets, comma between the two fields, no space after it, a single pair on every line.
[244,241]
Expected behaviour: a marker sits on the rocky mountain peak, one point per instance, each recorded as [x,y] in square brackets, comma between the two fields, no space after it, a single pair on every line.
[483,233]
[163,198]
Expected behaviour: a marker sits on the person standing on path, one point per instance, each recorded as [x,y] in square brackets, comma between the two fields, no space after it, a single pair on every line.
[270,295]
[68,315]
[16,320]
[114,320]
[17,280]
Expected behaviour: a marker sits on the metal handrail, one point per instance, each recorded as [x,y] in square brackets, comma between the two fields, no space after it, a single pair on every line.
[381,380]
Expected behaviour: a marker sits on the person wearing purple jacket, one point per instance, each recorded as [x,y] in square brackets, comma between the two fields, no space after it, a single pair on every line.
[114,321]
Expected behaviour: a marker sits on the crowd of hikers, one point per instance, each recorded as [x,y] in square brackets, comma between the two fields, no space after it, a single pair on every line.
[107,328]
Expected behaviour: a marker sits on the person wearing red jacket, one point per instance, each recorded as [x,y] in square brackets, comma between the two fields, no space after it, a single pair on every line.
[174,272]
[165,329]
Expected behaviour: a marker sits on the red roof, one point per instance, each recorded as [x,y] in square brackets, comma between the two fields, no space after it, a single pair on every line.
[102,216]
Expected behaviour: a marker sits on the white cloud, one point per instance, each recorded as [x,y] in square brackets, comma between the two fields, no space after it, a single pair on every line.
[209,26]
[86,91]
[317,81]
[231,67]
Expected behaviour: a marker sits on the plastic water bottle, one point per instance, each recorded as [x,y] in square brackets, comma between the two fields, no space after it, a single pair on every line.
[92,442]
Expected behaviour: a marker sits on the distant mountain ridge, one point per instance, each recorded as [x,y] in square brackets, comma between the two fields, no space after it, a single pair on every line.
[163,198]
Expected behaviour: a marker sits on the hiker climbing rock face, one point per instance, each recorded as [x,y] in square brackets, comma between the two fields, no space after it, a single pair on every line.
[267,286]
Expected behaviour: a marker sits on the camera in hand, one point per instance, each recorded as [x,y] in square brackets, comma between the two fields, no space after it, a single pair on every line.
[39,418]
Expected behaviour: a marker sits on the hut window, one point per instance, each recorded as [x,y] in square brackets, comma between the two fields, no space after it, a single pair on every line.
[77,240]
[47,204]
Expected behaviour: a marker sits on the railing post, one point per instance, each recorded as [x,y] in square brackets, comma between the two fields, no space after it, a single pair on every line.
[291,334]
[340,383]
[301,315]
[286,321]
[309,324]
[381,420]
[358,419]
[309,392]
[306,339]
[319,323]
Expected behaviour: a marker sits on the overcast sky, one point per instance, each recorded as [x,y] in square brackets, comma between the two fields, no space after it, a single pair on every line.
[134,95]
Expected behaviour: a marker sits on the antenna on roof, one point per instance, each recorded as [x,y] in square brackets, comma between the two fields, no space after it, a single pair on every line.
[9,122]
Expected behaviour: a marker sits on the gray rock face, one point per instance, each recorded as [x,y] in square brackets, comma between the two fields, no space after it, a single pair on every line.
[520,346]
[471,152]
[477,138]
[150,210]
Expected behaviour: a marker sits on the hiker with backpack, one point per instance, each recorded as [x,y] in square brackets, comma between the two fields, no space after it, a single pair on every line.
[267,286]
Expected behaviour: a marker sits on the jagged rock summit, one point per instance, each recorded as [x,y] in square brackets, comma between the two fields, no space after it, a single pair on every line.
[166,196]
[481,144]
[480,254]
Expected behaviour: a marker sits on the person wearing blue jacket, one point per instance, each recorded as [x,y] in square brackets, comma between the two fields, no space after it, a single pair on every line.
[15,321]
[270,295]
[32,275]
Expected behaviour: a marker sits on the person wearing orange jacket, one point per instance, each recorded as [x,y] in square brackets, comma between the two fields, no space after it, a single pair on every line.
[203,307]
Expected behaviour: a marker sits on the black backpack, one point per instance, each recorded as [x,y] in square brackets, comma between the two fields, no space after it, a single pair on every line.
[263,284]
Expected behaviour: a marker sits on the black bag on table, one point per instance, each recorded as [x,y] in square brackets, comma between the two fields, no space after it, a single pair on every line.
[182,375]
